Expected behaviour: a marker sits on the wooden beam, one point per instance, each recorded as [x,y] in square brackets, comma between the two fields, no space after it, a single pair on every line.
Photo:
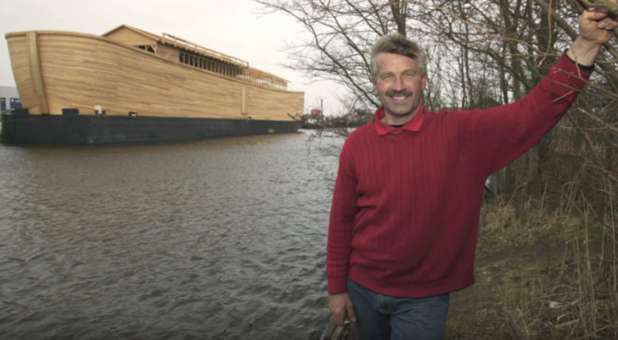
[604,5]
[35,71]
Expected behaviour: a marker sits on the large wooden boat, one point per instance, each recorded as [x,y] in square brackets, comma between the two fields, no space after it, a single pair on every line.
[129,85]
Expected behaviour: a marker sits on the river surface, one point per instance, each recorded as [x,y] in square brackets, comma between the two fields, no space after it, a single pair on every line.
[216,239]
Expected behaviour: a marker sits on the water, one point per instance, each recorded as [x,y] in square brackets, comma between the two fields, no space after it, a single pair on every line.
[216,239]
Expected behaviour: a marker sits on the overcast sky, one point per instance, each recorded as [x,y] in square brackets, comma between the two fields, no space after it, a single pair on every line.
[233,27]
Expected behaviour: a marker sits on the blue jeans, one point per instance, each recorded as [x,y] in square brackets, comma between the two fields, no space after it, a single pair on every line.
[380,317]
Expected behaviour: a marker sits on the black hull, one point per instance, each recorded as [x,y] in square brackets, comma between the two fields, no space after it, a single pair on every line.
[21,129]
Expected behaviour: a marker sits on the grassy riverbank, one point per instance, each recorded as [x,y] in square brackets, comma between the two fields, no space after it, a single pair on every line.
[541,274]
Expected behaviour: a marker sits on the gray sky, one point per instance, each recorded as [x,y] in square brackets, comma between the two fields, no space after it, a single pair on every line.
[233,27]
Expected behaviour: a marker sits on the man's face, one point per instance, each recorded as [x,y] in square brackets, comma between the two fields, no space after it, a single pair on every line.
[399,84]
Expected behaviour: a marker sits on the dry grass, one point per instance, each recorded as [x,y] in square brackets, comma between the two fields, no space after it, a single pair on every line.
[542,273]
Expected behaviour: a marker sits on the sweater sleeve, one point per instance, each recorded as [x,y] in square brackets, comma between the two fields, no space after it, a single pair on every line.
[499,135]
[342,214]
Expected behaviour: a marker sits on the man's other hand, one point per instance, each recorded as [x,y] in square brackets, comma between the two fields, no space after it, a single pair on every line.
[597,26]
[341,307]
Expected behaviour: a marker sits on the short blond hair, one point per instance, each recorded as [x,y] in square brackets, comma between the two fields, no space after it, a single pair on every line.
[397,44]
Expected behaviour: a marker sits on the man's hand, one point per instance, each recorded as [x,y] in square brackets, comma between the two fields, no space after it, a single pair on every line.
[597,26]
[341,307]
[595,29]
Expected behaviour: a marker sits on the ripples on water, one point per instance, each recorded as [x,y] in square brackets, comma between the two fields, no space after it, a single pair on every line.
[217,239]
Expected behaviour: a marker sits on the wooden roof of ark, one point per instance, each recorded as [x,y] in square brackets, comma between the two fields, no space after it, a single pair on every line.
[179,43]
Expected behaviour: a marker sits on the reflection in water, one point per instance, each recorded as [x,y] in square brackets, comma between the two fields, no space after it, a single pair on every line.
[217,239]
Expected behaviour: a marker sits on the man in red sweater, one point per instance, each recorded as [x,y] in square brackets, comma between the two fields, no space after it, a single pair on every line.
[405,211]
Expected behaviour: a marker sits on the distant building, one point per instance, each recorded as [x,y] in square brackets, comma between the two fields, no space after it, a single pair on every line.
[9,98]
[316,113]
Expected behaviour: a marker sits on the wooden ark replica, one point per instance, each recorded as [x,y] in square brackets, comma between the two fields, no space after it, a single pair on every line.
[133,86]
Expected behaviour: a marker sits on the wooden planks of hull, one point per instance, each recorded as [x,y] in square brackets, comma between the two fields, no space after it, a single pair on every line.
[81,71]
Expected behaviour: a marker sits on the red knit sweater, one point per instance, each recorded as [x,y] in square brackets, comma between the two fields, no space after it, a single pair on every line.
[405,211]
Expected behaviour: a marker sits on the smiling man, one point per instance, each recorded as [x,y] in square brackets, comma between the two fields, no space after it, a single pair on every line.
[401,79]
[404,225]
